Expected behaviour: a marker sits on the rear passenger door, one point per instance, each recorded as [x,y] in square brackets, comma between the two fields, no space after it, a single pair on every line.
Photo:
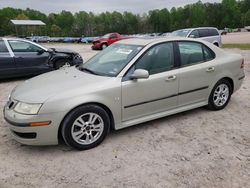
[7,66]
[196,72]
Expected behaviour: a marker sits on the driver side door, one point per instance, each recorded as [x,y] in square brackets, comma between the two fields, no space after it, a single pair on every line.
[27,59]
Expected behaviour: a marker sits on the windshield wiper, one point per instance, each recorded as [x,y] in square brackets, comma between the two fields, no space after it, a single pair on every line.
[87,70]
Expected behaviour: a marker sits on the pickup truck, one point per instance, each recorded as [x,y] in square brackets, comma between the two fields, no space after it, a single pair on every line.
[106,40]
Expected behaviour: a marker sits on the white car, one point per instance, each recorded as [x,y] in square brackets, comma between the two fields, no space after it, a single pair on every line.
[130,82]
[209,34]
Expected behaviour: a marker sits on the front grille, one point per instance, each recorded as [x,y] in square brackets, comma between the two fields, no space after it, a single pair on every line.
[25,135]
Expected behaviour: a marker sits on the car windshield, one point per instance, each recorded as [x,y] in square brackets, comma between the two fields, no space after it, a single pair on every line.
[181,33]
[105,36]
[112,60]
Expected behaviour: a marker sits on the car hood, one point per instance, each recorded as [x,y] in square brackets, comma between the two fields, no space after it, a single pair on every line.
[45,86]
[62,50]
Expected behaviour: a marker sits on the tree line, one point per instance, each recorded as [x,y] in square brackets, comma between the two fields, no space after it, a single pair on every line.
[228,13]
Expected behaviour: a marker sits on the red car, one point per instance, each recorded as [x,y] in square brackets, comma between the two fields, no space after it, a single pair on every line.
[106,40]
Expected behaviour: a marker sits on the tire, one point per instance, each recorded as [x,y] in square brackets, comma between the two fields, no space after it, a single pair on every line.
[216,44]
[220,95]
[104,45]
[85,127]
[61,63]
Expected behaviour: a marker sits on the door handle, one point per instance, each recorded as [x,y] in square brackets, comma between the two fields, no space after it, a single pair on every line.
[210,69]
[171,78]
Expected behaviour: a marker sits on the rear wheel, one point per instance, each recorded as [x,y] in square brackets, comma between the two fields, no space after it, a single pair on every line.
[220,95]
[216,44]
[85,127]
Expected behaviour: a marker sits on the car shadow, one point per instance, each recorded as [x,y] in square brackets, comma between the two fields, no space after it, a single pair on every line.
[15,79]
[117,133]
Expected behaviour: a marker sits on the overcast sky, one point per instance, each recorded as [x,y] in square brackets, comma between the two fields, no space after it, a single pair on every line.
[96,6]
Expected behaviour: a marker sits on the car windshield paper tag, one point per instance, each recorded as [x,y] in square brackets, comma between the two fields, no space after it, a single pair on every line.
[124,51]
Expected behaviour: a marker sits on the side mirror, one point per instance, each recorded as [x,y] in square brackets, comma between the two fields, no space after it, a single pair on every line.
[140,74]
[39,52]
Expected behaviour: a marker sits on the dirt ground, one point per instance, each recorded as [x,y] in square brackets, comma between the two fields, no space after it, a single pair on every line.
[236,38]
[198,148]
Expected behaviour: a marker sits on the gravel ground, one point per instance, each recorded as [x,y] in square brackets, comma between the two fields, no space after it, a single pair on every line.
[198,148]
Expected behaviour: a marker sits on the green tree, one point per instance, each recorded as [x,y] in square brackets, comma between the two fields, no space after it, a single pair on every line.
[231,14]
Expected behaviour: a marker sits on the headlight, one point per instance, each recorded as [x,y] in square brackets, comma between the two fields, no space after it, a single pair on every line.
[26,108]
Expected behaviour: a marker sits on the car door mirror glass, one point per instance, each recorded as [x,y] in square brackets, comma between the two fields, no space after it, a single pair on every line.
[140,74]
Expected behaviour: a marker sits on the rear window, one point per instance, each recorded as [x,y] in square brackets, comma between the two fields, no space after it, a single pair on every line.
[3,47]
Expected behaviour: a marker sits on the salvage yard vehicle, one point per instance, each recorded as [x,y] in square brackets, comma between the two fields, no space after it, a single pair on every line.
[209,34]
[106,40]
[20,57]
[130,82]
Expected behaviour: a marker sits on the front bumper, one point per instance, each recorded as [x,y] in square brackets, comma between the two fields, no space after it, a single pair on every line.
[22,132]
[96,46]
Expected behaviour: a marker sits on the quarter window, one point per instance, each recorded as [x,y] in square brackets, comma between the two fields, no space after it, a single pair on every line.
[158,59]
[3,47]
[21,46]
[193,53]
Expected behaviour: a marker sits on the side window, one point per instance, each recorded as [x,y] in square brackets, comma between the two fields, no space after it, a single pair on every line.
[113,36]
[158,59]
[21,46]
[3,47]
[194,53]
[213,32]
[191,53]
[203,33]
[194,34]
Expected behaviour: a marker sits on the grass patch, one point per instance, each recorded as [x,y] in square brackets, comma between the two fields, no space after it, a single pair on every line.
[240,46]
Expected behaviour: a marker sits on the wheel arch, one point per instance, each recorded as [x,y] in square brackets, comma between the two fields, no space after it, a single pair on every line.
[229,79]
[112,123]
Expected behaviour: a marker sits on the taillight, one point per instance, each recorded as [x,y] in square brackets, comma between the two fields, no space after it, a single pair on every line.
[242,64]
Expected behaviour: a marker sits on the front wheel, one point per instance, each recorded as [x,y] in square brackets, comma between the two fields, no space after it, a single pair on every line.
[62,63]
[104,46]
[85,127]
[220,95]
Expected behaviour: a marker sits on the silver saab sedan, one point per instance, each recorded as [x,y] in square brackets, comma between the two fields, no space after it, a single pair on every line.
[130,82]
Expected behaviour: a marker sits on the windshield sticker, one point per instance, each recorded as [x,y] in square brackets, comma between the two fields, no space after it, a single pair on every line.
[124,51]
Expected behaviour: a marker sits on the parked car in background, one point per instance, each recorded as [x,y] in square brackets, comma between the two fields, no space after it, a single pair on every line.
[106,40]
[209,34]
[87,40]
[40,39]
[56,39]
[71,39]
[131,82]
[20,57]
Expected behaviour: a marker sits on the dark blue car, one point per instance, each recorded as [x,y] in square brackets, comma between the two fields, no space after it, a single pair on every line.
[20,57]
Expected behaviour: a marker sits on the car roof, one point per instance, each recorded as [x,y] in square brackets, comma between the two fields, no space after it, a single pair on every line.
[148,40]
[192,28]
